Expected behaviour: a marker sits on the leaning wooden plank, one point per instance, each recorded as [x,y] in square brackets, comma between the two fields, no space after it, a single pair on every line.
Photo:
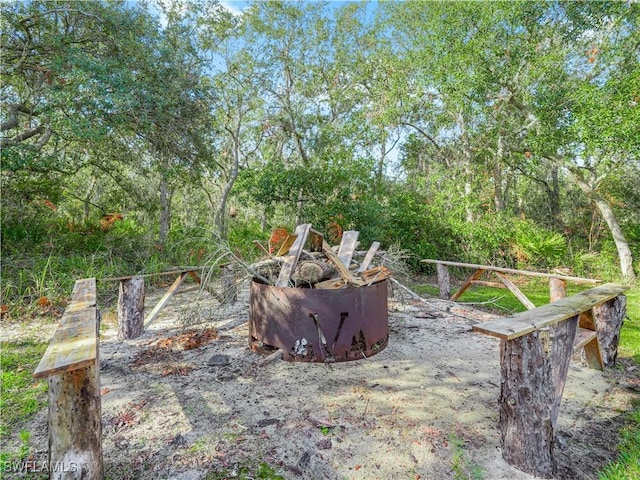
[348,246]
[516,291]
[286,245]
[163,301]
[342,269]
[302,232]
[369,257]
[74,344]
[477,274]
[522,323]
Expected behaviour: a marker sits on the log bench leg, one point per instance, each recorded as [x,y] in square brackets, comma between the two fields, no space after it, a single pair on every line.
[609,317]
[75,426]
[526,403]
[131,308]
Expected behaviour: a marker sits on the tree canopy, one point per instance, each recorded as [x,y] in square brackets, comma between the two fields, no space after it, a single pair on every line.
[503,132]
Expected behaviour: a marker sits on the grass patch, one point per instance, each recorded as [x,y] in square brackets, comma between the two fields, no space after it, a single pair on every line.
[630,333]
[503,302]
[462,468]
[628,464]
[262,471]
[21,395]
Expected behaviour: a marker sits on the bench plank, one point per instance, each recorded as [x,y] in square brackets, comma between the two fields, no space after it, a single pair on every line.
[74,344]
[515,326]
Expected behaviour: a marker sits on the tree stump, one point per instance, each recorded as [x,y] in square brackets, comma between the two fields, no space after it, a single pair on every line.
[526,400]
[75,427]
[609,318]
[444,283]
[131,308]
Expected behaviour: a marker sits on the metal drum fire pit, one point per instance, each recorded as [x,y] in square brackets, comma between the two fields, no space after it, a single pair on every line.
[319,325]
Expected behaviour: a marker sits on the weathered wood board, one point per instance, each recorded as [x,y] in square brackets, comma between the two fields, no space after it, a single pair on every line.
[348,246]
[369,257]
[286,245]
[344,272]
[74,344]
[284,277]
[516,291]
[163,301]
[522,323]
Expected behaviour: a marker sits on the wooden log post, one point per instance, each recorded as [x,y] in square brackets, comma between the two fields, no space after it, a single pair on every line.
[526,399]
[557,289]
[72,368]
[444,283]
[131,308]
[609,317]
[562,335]
[75,427]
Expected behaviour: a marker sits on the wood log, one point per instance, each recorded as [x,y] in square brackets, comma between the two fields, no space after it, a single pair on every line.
[564,334]
[310,272]
[131,308]
[557,289]
[444,283]
[75,427]
[526,400]
[609,318]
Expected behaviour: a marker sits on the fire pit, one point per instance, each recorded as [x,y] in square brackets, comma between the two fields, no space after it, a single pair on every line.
[317,325]
[337,314]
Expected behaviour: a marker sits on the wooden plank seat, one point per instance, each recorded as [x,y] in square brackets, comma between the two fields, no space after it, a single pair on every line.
[71,366]
[515,326]
[75,342]
[535,351]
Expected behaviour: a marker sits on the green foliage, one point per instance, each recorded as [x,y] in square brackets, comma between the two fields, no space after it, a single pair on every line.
[262,471]
[534,247]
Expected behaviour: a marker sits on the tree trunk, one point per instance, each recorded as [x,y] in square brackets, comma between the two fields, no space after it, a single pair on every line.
[498,196]
[526,401]
[444,283]
[131,308]
[609,318]
[624,252]
[165,212]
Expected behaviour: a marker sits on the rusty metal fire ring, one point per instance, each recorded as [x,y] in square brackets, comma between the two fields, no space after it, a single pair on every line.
[319,325]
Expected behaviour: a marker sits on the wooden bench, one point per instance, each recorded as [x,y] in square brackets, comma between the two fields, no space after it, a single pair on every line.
[535,351]
[500,273]
[71,366]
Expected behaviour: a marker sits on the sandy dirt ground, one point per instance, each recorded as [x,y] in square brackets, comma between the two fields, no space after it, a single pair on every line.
[424,408]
